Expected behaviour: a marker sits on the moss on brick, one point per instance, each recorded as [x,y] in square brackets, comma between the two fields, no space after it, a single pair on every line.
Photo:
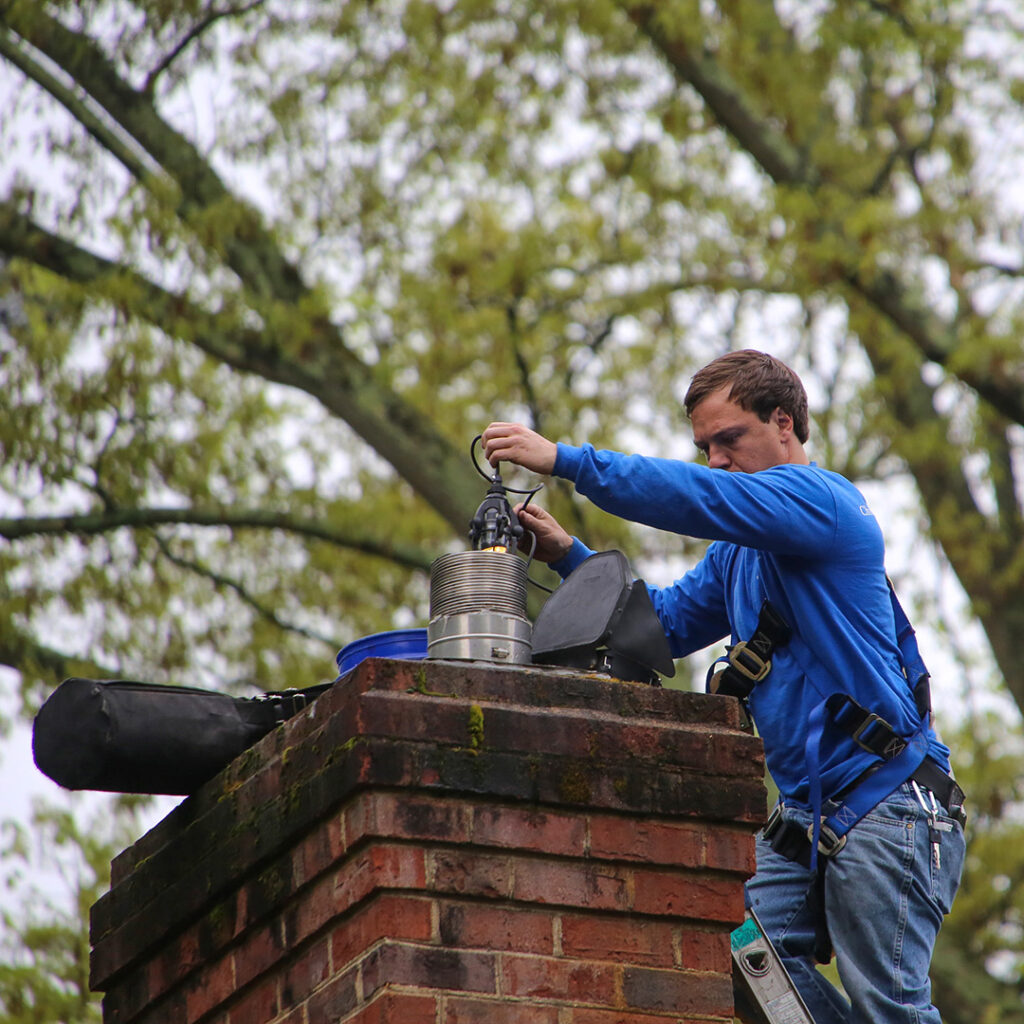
[420,685]
[471,756]
[574,785]
[476,726]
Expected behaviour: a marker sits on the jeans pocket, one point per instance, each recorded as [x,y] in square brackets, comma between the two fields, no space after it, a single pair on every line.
[948,866]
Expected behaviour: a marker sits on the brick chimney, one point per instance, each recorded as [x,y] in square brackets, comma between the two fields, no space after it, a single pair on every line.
[438,842]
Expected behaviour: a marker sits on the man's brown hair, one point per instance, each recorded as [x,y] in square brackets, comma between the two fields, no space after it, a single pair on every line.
[760,384]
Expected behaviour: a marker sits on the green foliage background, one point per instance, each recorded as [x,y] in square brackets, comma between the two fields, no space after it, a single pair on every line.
[266,268]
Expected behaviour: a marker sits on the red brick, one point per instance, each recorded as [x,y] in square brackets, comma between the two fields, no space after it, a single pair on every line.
[296,1016]
[406,816]
[677,991]
[378,867]
[171,964]
[469,873]
[169,1010]
[213,985]
[258,953]
[622,939]
[373,869]
[534,830]
[419,717]
[480,926]
[311,909]
[257,1006]
[427,967]
[688,895]
[565,732]
[731,850]
[317,852]
[460,888]
[593,1015]
[305,973]
[197,945]
[706,950]
[666,744]
[130,995]
[595,735]
[262,895]
[736,754]
[255,792]
[386,917]
[559,979]
[654,842]
[396,1008]
[464,1010]
[332,1001]
[575,884]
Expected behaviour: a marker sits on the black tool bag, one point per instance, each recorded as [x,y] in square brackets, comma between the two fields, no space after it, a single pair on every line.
[131,737]
[602,620]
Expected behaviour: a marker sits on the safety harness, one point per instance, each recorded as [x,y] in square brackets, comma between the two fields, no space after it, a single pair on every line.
[749,661]
[899,758]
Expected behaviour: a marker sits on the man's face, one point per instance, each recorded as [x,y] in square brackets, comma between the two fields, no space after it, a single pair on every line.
[735,439]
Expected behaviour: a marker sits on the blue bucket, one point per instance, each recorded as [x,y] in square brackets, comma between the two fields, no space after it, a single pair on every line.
[410,644]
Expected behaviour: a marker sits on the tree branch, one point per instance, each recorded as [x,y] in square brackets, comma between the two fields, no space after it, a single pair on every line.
[941,482]
[325,369]
[226,582]
[251,252]
[935,339]
[211,18]
[130,157]
[957,521]
[783,163]
[319,362]
[408,556]
[1003,474]
[34,660]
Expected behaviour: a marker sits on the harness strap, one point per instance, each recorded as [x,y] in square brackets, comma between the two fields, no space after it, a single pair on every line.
[749,661]
[798,844]
[900,759]
[282,704]
[828,831]
[792,842]
[869,731]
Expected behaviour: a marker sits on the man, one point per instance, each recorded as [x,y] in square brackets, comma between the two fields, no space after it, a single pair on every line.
[848,743]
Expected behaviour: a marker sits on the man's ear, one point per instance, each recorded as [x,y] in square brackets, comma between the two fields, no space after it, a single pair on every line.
[783,421]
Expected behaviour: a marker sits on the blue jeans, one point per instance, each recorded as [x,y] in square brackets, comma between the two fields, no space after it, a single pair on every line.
[885,898]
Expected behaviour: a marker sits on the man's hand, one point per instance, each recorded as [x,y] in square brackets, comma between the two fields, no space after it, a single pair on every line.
[512,442]
[553,542]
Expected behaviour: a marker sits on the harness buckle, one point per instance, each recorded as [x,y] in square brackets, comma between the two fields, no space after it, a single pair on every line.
[870,722]
[745,660]
[829,844]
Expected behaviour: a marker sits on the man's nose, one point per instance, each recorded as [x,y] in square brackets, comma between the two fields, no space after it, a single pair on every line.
[717,458]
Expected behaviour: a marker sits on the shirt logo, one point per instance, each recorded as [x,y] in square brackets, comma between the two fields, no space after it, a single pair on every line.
[865,511]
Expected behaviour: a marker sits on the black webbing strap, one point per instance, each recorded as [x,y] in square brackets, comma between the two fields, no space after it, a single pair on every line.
[869,731]
[282,704]
[786,838]
[874,734]
[791,841]
[749,661]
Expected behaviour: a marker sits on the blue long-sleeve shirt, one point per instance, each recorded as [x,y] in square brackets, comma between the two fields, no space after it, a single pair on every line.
[799,535]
